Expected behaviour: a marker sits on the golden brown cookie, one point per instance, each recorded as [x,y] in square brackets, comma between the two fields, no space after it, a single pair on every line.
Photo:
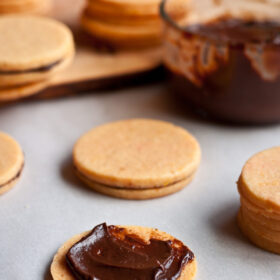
[261,220]
[123,24]
[25,6]
[259,240]
[123,36]
[32,49]
[259,188]
[60,270]
[125,8]
[11,162]
[19,92]
[258,210]
[142,157]
[260,180]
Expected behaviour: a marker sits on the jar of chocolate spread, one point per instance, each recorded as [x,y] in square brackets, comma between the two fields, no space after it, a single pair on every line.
[227,65]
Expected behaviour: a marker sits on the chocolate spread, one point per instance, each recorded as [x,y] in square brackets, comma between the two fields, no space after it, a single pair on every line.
[38,69]
[228,68]
[14,178]
[109,253]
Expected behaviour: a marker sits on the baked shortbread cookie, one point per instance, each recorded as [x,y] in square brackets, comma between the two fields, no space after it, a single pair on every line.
[259,240]
[123,35]
[260,180]
[25,6]
[18,92]
[32,49]
[261,220]
[125,8]
[137,159]
[11,162]
[123,24]
[125,252]
[259,188]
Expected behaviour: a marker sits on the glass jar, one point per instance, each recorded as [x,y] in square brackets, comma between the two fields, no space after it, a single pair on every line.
[224,65]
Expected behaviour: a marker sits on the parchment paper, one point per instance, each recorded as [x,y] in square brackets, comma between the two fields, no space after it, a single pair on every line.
[50,205]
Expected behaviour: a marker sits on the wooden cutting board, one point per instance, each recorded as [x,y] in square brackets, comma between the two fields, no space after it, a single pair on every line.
[93,68]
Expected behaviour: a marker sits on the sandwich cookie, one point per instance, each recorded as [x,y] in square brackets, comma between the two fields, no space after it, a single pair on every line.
[32,50]
[125,8]
[11,162]
[122,36]
[123,23]
[25,6]
[123,252]
[136,159]
[259,188]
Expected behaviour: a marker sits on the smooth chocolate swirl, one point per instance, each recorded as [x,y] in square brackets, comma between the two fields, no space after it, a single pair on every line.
[108,253]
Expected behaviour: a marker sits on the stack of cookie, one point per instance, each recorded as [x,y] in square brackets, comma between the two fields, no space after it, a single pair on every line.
[123,23]
[32,50]
[24,6]
[259,188]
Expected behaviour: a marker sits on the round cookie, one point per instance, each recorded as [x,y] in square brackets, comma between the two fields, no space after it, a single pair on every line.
[32,48]
[258,210]
[137,155]
[260,180]
[260,220]
[125,8]
[11,162]
[25,6]
[259,229]
[19,92]
[257,239]
[124,36]
[60,271]
[135,194]
[93,12]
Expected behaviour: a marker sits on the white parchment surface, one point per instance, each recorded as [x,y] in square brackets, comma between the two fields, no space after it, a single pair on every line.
[49,205]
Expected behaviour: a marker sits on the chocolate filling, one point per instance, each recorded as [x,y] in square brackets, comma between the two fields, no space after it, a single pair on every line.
[14,178]
[130,189]
[109,253]
[32,70]
[229,69]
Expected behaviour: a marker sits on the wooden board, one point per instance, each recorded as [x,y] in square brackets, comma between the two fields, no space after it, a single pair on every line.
[93,68]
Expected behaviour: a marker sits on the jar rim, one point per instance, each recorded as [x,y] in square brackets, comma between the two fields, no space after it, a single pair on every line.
[273,40]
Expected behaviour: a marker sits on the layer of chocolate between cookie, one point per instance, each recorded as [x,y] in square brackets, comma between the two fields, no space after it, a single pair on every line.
[14,178]
[44,68]
[80,174]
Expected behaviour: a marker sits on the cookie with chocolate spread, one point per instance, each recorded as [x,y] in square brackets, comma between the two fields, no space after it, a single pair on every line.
[11,162]
[259,188]
[137,158]
[123,252]
[32,50]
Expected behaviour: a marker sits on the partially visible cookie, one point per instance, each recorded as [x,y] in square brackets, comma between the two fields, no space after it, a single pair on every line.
[124,35]
[32,50]
[259,240]
[11,162]
[25,6]
[259,188]
[125,252]
[123,24]
[260,179]
[14,93]
[137,159]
